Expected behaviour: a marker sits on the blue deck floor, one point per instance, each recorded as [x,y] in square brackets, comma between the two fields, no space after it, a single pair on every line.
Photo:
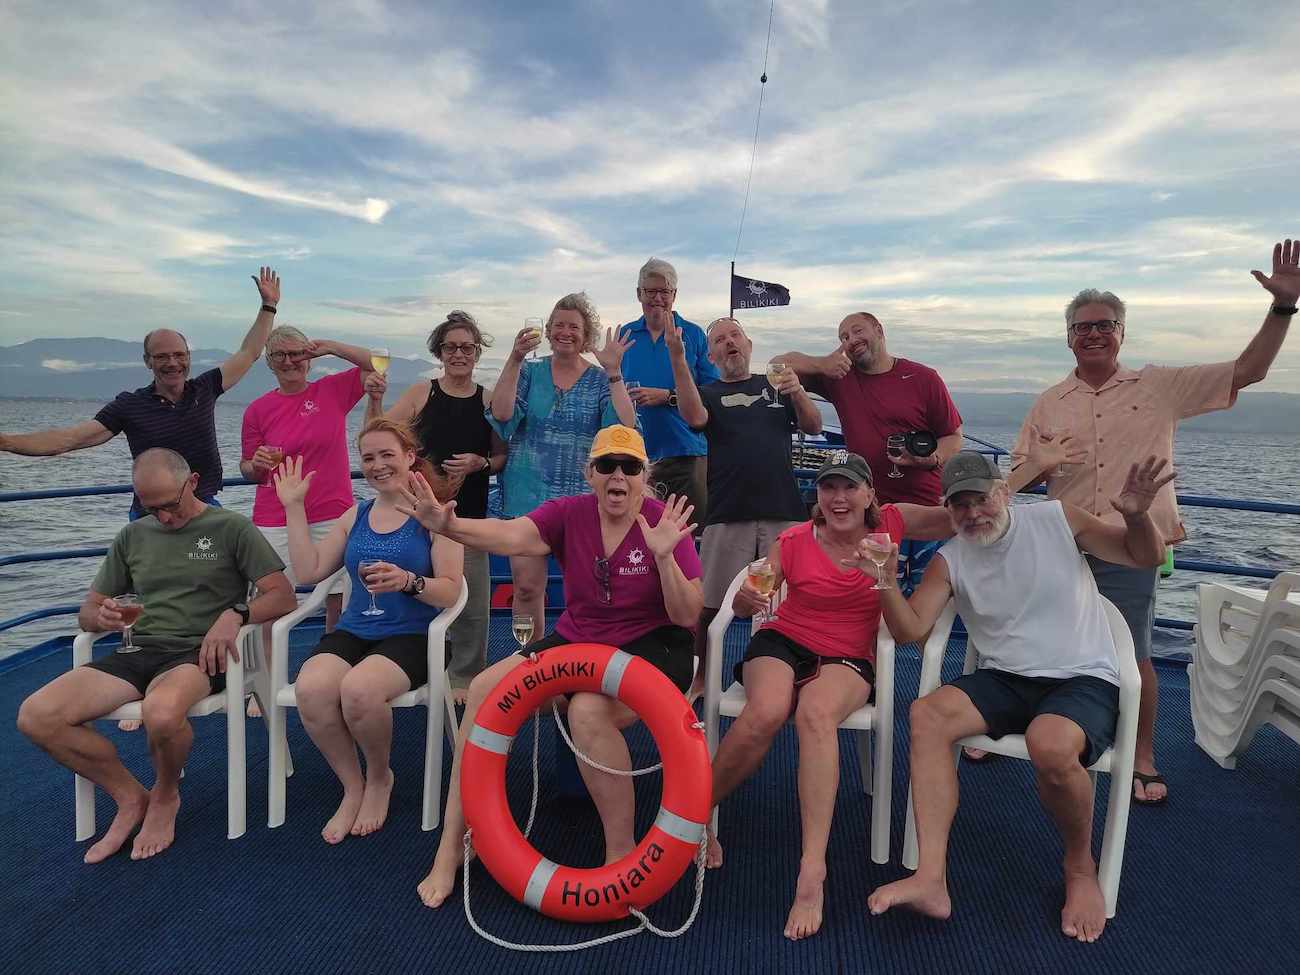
[1211,881]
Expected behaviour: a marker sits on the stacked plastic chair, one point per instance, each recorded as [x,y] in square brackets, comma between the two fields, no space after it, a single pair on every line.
[1247,668]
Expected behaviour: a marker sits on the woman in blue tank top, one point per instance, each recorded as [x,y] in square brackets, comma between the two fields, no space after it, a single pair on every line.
[379,649]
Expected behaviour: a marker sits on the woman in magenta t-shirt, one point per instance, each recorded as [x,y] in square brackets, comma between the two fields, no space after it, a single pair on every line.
[631,579]
[817,656]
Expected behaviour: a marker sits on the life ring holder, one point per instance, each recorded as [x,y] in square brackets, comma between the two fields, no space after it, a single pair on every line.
[676,838]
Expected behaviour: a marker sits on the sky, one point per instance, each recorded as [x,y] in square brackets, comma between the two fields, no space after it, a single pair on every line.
[959,169]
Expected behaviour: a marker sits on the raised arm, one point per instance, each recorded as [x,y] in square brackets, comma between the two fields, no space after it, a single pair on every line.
[513,536]
[1284,286]
[408,405]
[689,405]
[806,413]
[1046,453]
[503,394]
[610,357]
[834,365]
[926,522]
[910,619]
[235,368]
[354,354]
[683,598]
[311,561]
[1139,543]
[47,443]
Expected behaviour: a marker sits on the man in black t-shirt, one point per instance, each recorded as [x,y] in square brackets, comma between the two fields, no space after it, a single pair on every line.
[753,495]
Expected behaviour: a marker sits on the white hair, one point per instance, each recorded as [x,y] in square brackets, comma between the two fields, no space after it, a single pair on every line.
[655,267]
[1091,296]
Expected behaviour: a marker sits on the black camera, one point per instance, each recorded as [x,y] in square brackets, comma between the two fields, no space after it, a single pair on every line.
[918,443]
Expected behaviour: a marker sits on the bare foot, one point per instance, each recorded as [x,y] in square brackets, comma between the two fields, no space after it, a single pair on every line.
[130,812]
[805,917]
[713,854]
[441,880]
[459,695]
[374,803]
[129,724]
[159,828]
[1151,792]
[340,824]
[922,895]
[253,710]
[1084,913]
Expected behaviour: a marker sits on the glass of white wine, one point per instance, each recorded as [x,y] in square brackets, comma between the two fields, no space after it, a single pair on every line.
[379,360]
[521,625]
[535,326]
[878,548]
[775,369]
[762,576]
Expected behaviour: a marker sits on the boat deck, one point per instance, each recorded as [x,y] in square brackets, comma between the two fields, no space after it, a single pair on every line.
[1210,880]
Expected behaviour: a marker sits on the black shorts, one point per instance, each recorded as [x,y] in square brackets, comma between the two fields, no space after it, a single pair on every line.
[805,663]
[1009,702]
[138,668]
[410,651]
[670,648]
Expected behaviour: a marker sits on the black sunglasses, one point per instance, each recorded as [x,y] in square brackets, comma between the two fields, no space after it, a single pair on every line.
[602,577]
[628,465]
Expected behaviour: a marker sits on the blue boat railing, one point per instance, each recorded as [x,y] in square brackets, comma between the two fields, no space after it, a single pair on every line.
[1188,500]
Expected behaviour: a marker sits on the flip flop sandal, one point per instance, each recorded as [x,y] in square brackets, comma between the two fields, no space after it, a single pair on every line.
[1153,779]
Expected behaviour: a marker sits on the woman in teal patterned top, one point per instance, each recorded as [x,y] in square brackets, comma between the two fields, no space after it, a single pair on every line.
[548,412]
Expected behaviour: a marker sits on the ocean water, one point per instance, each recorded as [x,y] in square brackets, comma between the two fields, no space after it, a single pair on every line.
[1256,467]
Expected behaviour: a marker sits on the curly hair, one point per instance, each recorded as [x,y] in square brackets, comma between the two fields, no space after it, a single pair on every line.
[457,319]
[579,302]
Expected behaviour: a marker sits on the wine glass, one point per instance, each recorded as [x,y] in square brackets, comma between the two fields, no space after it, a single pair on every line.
[775,370]
[129,605]
[274,454]
[362,566]
[1062,469]
[631,385]
[878,548]
[762,576]
[521,625]
[535,325]
[379,359]
[894,445]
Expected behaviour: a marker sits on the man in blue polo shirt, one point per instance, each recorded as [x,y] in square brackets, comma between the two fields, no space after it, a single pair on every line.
[676,451]
[173,411]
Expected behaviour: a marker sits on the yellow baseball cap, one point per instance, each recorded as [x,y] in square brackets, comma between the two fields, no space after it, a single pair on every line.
[618,440]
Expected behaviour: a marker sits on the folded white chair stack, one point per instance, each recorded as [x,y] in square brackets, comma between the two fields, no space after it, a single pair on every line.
[1247,667]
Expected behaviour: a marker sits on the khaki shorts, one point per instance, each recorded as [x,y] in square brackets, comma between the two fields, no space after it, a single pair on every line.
[728,548]
[279,539]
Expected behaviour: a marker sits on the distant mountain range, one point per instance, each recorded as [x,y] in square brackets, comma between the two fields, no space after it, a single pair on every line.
[97,369]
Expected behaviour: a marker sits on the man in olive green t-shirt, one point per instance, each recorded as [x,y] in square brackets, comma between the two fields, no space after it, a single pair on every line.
[191,566]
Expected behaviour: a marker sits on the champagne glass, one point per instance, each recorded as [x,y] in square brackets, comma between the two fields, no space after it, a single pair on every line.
[362,567]
[379,359]
[775,370]
[894,445]
[521,625]
[1062,469]
[274,454]
[762,576]
[129,605]
[631,385]
[533,325]
[878,547]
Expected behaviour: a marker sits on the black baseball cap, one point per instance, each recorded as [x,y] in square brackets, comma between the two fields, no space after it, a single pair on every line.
[969,470]
[845,464]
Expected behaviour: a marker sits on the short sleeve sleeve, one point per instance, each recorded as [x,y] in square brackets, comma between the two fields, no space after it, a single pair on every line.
[687,558]
[253,553]
[112,416]
[942,415]
[550,518]
[344,388]
[114,574]
[893,522]
[1021,449]
[213,382]
[1193,390]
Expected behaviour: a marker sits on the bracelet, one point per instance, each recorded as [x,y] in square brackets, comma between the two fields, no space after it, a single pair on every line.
[270,308]
[615,379]
[1287,310]
[487,463]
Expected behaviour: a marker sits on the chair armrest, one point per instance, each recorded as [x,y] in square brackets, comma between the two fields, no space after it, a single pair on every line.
[82,644]
[713,669]
[932,652]
[280,628]
[438,626]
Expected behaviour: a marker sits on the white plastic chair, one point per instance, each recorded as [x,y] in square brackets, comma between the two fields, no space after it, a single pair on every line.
[243,676]
[1233,622]
[878,717]
[1116,760]
[283,697]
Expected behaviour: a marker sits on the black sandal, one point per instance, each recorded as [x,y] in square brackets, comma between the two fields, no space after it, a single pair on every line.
[1155,778]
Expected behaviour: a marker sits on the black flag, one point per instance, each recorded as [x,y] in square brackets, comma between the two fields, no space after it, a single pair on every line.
[751,293]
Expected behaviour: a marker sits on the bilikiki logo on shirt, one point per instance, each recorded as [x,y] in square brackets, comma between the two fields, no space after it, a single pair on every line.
[201,552]
[635,558]
[308,408]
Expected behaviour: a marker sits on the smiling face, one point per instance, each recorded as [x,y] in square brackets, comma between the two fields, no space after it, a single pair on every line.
[459,352]
[567,332]
[864,338]
[843,502]
[981,518]
[1092,350]
[168,358]
[289,360]
[385,462]
[656,296]
[730,349]
[618,493]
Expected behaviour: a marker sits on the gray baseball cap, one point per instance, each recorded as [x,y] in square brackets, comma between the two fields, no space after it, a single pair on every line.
[845,464]
[969,470]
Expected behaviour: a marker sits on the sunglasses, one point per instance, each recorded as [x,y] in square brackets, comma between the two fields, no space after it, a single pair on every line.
[628,465]
[602,577]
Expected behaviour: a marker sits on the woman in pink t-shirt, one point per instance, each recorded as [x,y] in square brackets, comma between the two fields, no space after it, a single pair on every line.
[817,656]
[631,579]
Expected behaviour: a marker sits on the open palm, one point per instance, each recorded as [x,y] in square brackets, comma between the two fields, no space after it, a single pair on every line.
[674,525]
[1141,486]
[1284,283]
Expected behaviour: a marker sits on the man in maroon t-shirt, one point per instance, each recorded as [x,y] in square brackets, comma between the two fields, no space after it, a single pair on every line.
[877,394]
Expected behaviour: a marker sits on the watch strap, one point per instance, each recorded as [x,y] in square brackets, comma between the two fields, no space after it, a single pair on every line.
[1284,309]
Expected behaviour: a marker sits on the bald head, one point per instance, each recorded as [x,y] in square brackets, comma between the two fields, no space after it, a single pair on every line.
[729,349]
[863,338]
[164,336]
[160,463]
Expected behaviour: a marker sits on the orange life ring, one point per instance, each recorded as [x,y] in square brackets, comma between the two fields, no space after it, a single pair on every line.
[659,860]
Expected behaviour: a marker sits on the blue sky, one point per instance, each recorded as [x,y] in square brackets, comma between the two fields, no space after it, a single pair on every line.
[960,169]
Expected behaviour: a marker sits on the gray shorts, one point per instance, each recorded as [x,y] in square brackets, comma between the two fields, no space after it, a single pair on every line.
[1133,591]
[726,549]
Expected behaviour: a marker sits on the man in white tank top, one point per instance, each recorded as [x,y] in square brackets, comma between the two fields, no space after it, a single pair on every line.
[1048,664]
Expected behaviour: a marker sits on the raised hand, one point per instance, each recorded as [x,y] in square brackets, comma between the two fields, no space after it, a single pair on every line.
[525,342]
[787,382]
[748,601]
[837,364]
[376,385]
[1048,451]
[290,486]
[1284,283]
[319,347]
[673,341]
[268,286]
[1141,486]
[610,355]
[861,560]
[674,525]
[421,504]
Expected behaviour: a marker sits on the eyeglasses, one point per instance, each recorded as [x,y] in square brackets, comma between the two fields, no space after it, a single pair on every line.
[170,507]
[602,577]
[1103,327]
[464,348]
[648,293]
[161,357]
[283,354]
[628,465]
[969,504]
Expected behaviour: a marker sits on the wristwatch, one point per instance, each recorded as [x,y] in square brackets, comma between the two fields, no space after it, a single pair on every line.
[415,586]
[243,611]
[672,398]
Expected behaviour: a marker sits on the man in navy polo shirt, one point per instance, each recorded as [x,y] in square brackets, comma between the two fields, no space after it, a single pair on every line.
[676,451]
[173,411]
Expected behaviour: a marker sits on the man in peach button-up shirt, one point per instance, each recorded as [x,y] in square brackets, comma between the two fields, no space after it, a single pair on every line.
[1103,417]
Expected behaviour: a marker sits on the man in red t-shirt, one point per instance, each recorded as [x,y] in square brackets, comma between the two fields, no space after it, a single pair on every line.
[877,394]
